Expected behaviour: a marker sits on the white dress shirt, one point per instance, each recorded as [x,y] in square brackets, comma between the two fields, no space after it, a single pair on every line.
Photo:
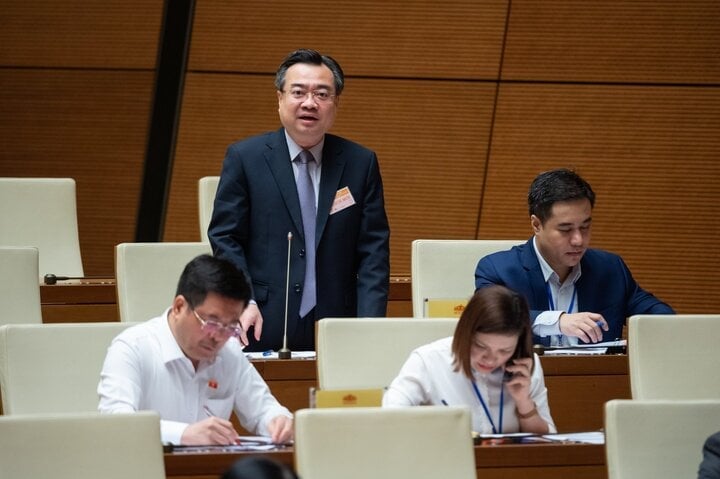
[547,323]
[145,369]
[427,378]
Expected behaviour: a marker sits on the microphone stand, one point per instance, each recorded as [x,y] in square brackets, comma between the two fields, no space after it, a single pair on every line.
[285,352]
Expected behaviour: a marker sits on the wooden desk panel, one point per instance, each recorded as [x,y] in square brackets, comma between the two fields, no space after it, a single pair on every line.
[95,300]
[79,301]
[539,461]
[579,386]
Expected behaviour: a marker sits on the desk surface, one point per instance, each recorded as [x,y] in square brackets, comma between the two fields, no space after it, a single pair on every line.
[539,461]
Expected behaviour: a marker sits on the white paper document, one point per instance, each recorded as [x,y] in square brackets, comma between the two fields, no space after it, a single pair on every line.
[592,437]
[583,349]
[274,355]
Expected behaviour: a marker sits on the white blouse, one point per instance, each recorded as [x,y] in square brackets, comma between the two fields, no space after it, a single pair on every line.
[427,378]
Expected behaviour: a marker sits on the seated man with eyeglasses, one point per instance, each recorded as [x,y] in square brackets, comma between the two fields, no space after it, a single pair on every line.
[189,367]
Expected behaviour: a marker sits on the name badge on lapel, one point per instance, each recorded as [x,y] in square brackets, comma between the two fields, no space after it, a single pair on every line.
[343,199]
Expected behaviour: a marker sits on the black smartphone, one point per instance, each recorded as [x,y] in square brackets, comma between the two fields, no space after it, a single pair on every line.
[507,375]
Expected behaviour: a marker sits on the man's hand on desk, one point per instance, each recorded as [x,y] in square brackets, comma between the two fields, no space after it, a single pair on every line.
[281,429]
[251,317]
[588,327]
[210,431]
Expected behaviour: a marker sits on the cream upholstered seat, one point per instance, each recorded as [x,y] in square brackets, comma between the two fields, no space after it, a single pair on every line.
[42,212]
[19,286]
[147,275]
[445,269]
[53,368]
[81,445]
[674,356]
[356,353]
[399,443]
[207,187]
[657,438]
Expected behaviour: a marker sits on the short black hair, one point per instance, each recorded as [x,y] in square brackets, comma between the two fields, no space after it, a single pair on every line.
[207,274]
[311,57]
[557,185]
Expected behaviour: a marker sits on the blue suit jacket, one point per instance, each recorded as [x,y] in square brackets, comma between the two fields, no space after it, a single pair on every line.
[257,205]
[606,286]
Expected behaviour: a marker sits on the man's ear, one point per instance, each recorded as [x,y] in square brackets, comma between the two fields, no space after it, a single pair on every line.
[178,304]
[535,223]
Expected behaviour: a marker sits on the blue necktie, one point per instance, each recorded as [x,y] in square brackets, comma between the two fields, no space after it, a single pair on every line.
[306,194]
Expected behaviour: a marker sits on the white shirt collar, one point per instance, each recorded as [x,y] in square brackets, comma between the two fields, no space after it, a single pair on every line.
[295,149]
[549,273]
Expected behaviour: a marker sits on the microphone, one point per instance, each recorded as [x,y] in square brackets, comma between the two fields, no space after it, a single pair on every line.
[52,279]
[284,352]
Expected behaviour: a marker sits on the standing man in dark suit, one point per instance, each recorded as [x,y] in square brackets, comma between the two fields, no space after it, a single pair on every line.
[575,292]
[284,181]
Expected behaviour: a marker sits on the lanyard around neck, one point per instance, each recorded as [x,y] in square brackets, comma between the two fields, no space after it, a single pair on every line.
[552,303]
[487,411]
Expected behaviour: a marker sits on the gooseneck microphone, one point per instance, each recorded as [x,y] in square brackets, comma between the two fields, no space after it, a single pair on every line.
[52,279]
[284,352]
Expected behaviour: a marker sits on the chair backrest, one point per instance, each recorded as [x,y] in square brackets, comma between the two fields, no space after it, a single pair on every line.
[356,353]
[402,443]
[81,445]
[674,356]
[19,286]
[445,269]
[147,275]
[207,187]
[53,368]
[651,439]
[42,212]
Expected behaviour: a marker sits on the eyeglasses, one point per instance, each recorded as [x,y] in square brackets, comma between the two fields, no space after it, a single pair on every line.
[215,327]
[320,96]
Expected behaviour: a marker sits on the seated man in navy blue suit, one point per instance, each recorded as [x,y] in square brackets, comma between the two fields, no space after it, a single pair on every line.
[575,292]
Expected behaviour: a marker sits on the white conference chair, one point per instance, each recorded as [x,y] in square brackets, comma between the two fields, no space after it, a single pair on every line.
[207,187]
[674,356]
[19,286]
[402,443]
[53,368]
[42,212]
[652,439]
[365,353]
[444,270]
[81,445]
[147,275]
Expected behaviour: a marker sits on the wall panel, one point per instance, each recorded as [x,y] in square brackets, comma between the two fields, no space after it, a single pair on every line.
[79,33]
[613,41]
[379,38]
[650,154]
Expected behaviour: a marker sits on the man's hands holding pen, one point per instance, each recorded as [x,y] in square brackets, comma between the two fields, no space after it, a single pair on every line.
[588,327]
[281,429]
[210,431]
[217,431]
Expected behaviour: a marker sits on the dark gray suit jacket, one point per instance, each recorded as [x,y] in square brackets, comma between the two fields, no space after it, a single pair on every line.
[257,205]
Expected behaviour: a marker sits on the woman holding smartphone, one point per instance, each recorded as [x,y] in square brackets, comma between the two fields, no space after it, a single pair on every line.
[487,365]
